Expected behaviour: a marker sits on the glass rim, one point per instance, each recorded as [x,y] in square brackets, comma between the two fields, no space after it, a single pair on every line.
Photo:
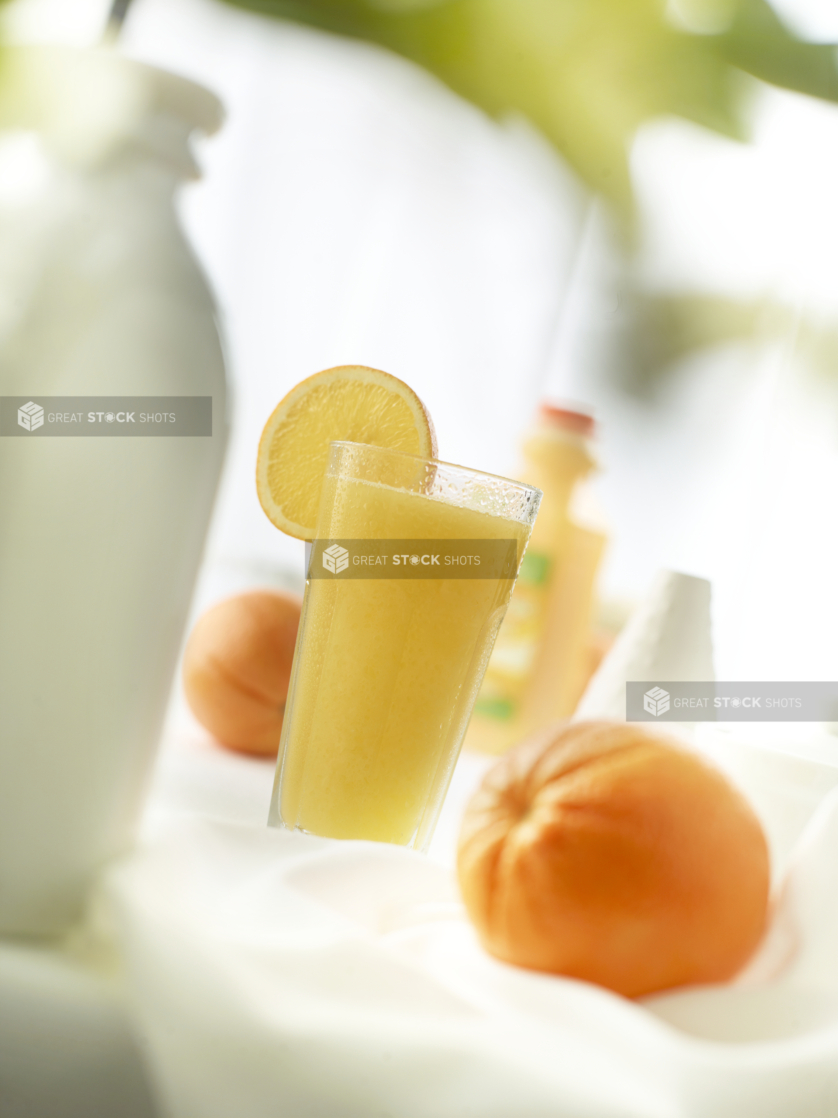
[524,486]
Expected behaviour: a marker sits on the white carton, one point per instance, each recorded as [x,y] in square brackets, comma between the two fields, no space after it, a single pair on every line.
[668,637]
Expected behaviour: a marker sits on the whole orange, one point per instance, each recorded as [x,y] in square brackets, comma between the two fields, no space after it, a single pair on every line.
[602,852]
[237,666]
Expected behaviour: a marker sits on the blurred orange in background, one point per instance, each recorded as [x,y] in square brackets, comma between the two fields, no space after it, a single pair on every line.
[237,667]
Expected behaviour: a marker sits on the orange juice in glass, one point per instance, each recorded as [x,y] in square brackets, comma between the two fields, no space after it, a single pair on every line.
[409,579]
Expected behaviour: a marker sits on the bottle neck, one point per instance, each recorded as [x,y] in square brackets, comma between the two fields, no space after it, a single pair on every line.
[93,108]
[556,460]
[158,140]
[558,456]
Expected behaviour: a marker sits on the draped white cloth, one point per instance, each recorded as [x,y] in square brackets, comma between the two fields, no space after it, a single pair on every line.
[274,975]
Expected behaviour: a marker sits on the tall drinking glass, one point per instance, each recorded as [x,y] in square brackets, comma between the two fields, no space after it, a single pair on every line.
[408,581]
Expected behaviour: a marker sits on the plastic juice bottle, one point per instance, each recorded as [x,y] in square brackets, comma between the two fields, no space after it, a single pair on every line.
[542,654]
[386,671]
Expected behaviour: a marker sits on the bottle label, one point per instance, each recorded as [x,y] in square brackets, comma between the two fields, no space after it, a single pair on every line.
[535,569]
[500,710]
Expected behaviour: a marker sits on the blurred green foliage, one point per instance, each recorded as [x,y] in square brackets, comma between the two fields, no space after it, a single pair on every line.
[663,329]
[588,72]
[660,331]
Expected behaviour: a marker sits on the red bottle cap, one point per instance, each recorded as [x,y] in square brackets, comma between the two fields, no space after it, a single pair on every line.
[570,419]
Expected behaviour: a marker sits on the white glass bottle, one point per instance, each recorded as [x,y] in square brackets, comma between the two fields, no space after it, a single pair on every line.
[100,537]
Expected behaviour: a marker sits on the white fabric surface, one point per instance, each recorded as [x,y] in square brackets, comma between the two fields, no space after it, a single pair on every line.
[271,974]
